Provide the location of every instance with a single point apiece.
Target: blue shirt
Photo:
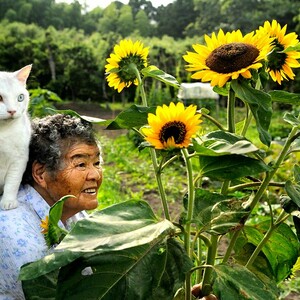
(21, 240)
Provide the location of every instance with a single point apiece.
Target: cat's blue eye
(21, 97)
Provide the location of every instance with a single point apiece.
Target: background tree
(207, 19)
(67, 43)
(142, 24)
(143, 5)
(174, 18)
(125, 23)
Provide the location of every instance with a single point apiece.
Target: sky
(104, 3)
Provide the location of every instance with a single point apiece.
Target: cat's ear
(23, 74)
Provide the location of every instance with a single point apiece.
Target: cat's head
(14, 97)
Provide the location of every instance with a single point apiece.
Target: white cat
(15, 131)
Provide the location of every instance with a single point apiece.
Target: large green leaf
(285, 97)
(260, 104)
(145, 272)
(216, 213)
(230, 167)
(293, 191)
(160, 75)
(135, 116)
(277, 256)
(41, 288)
(291, 119)
(235, 282)
(129, 251)
(220, 143)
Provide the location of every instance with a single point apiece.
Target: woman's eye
(97, 164)
(21, 97)
(81, 165)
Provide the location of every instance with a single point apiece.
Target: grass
(128, 174)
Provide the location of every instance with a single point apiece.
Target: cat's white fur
(15, 131)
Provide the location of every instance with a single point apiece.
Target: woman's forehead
(82, 150)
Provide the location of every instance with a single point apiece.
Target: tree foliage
(68, 45)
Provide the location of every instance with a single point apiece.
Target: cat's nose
(11, 112)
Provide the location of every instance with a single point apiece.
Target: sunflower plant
(233, 240)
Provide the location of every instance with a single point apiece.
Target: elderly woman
(64, 160)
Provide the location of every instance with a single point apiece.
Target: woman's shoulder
(22, 219)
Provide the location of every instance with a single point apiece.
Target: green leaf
(235, 282)
(291, 119)
(297, 173)
(86, 118)
(231, 167)
(287, 204)
(44, 94)
(145, 272)
(220, 143)
(56, 209)
(223, 91)
(260, 104)
(135, 116)
(293, 191)
(292, 48)
(55, 233)
(296, 221)
(280, 252)
(160, 75)
(216, 213)
(41, 288)
(285, 97)
(129, 251)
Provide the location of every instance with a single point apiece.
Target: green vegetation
(128, 174)
(68, 45)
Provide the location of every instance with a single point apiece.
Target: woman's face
(80, 176)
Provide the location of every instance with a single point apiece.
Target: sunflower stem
(140, 81)
(162, 193)
(230, 246)
(266, 183)
(230, 111)
(275, 167)
(248, 120)
(191, 200)
(273, 226)
(190, 210)
(230, 128)
(213, 120)
(210, 260)
(157, 168)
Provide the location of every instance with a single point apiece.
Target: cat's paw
(6, 204)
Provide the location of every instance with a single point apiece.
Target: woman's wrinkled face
(80, 176)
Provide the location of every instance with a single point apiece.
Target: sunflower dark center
(277, 58)
(231, 57)
(126, 73)
(175, 129)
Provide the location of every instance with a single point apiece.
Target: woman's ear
(38, 174)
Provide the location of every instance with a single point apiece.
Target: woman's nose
(95, 173)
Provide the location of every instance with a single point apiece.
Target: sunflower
(121, 66)
(281, 61)
(172, 126)
(45, 225)
(227, 56)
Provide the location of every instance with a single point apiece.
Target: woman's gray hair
(51, 138)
